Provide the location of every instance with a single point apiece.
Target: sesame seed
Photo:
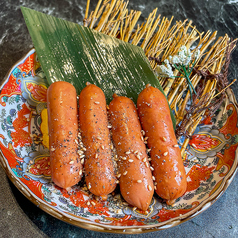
(130, 160)
(111, 146)
(82, 161)
(71, 162)
(89, 185)
(97, 102)
(88, 203)
(80, 172)
(84, 149)
(143, 132)
(76, 141)
(176, 145)
(128, 152)
(151, 168)
(153, 177)
(102, 147)
(135, 152)
(96, 156)
(146, 138)
(165, 153)
(99, 138)
(147, 164)
(139, 181)
(144, 160)
(93, 203)
(155, 187)
(149, 187)
(123, 158)
(81, 156)
(117, 181)
(118, 175)
(108, 107)
(148, 150)
(138, 157)
(109, 126)
(52, 149)
(142, 138)
(155, 183)
(164, 139)
(125, 173)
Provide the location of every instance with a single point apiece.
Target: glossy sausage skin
(99, 166)
(136, 184)
(169, 172)
(63, 130)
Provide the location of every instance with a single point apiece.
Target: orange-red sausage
(169, 172)
(136, 184)
(99, 166)
(66, 168)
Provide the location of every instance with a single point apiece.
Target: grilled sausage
(99, 166)
(65, 166)
(136, 184)
(169, 172)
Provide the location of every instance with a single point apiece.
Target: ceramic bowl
(210, 162)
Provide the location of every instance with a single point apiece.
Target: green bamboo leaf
(76, 54)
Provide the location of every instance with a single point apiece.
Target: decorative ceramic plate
(210, 162)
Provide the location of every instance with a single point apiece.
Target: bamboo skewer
(160, 38)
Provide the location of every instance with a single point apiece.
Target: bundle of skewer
(160, 38)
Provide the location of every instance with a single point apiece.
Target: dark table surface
(18, 216)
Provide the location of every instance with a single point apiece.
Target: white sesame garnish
(138, 157)
(148, 150)
(135, 152)
(146, 138)
(80, 152)
(130, 160)
(97, 102)
(125, 173)
(123, 158)
(128, 152)
(155, 187)
(96, 156)
(147, 164)
(153, 177)
(52, 149)
(81, 156)
(151, 168)
(89, 185)
(109, 126)
(139, 181)
(102, 147)
(111, 146)
(142, 138)
(99, 138)
(149, 159)
(143, 132)
(117, 181)
(93, 203)
(165, 153)
(155, 183)
(71, 162)
(88, 203)
(82, 161)
(149, 187)
(118, 175)
(144, 160)
(176, 145)
(80, 172)
(164, 139)
(76, 141)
